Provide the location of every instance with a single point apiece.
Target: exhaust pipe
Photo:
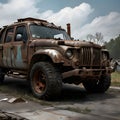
(69, 29)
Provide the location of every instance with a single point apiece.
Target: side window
(9, 35)
(21, 34)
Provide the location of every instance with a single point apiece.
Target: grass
(115, 79)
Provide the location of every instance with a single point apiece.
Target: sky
(86, 16)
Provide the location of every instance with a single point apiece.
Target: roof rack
(30, 19)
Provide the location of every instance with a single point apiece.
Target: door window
(21, 31)
(9, 35)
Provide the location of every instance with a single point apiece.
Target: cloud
(15, 9)
(23, 8)
(108, 25)
(78, 17)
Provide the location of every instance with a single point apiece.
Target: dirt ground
(74, 104)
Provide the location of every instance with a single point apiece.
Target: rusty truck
(46, 56)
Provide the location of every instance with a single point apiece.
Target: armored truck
(46, 56)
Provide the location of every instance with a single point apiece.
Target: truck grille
(90, 56)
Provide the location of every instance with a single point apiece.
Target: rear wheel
(98, 86)
(1, 76)
(45, 80)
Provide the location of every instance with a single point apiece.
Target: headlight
(69, 53)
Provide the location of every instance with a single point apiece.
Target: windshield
(43, 32)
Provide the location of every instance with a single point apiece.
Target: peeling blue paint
(19, 62)
(13, 59)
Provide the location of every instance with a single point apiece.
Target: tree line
(114, 47)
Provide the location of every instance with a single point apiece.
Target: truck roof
(31, 19)
(36, 21)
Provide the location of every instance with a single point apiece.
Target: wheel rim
(39, 81)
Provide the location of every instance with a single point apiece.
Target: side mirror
(18, 37)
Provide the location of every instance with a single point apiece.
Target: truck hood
(75, 43)
(56, 43)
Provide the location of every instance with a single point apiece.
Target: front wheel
(45, 80)
(98, 86)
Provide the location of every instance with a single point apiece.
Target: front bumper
(84, 72)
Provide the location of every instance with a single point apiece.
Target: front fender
(55, 55)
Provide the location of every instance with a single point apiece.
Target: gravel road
(74, 104)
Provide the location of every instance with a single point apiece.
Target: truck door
(7, 47)
(1, 46)
(19, 48)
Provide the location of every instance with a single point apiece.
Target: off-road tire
(98, 86)
(1, 76)
(45, 81)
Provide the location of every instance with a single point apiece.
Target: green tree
(114, 47)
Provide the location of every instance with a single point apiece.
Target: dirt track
(74, 103)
